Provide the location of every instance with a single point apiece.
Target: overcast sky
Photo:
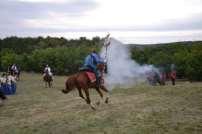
(130, 21)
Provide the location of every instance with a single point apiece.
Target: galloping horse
(80, 81)
(47, 78)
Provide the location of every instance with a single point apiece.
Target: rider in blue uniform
(91, 62)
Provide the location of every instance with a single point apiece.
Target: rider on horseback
(47, 70)
(91, 62)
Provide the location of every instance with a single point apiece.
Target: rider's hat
(93, 50)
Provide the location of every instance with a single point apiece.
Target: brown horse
(81, 82)
(47, 78)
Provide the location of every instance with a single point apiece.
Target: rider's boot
(97, 80)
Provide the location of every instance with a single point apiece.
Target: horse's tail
(68, 88)
(66, 85)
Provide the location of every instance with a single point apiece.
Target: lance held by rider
(106, 45)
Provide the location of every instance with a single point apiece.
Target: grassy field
(142, 109)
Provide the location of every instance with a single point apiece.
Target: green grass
(142, 109)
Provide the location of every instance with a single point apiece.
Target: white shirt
(48, 69)
(11, 79)
(2, 80)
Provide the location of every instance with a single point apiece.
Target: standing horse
(81, 82)
(47, 78)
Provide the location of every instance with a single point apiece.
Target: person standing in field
(173, 74)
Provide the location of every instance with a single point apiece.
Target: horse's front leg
(101, 95)
(46, 85)
(49, 84)
(106, 90)
(88, 99)
(51, 81)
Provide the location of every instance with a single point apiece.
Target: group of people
(7, 85)
(14, 70)
(159, 76)
(154, 77)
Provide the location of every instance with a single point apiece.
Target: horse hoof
(64, 91)
(93, 107)
(98, 103)
(107, 100)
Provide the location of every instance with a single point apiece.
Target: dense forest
(66, 56)
(32, 54)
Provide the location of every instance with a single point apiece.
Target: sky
(130, 21)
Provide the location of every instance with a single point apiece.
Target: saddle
(90, 74)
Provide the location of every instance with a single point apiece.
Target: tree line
(67, 56)
(32, 54)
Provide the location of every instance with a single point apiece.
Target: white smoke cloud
(122, 70)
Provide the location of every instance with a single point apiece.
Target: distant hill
(162, 44)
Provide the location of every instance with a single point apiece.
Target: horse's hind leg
(88, 99)
(80, 93)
